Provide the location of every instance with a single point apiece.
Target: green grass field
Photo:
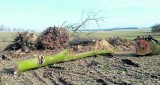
(9, 36)
(124, 34)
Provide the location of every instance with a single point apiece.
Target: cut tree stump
(142, 47)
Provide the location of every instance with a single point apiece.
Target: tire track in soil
(37, 78)
(41, 77)
(53, 76)
(9, 78)
(81, 75)
(31, 76)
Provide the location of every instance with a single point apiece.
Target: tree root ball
(53, 38)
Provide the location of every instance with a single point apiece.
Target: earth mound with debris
(122, 44)
(83, 45)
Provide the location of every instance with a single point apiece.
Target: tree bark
(40, 61)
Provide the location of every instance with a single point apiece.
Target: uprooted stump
(23, 41)
(53, 38)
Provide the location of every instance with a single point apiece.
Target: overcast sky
(40, 14)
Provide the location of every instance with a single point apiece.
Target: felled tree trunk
(155, 48)
(63, 56)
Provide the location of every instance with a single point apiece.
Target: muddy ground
(116, 69)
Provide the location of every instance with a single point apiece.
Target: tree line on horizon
(155, 28)
(7, 29)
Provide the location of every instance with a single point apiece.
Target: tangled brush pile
(53, 38)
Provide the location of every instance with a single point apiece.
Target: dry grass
(9, 36)
(123, 34)
(91, 71)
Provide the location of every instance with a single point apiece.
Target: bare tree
(81, 24)
(155, 28)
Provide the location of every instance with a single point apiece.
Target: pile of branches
(53, 38)
(121, 44)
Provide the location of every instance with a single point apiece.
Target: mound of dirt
(91, 45)
(122, 44)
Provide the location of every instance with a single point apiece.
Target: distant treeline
(112, 29)
(7, 29)
(156, 28)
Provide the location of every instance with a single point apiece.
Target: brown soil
(116, 69)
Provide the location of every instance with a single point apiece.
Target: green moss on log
(155, 48)
(51, 59)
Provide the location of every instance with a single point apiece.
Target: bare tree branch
(84, 21)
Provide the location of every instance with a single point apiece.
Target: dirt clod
(93, 63)
(101, 81)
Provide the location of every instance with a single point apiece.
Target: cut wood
(155, 48)
(142, 47)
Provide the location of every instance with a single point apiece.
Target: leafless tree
(83, 22)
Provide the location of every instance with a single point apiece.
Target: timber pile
(53, 38)
(121, 44)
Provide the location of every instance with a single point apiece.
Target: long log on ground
(155, 48)
(63, 56)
